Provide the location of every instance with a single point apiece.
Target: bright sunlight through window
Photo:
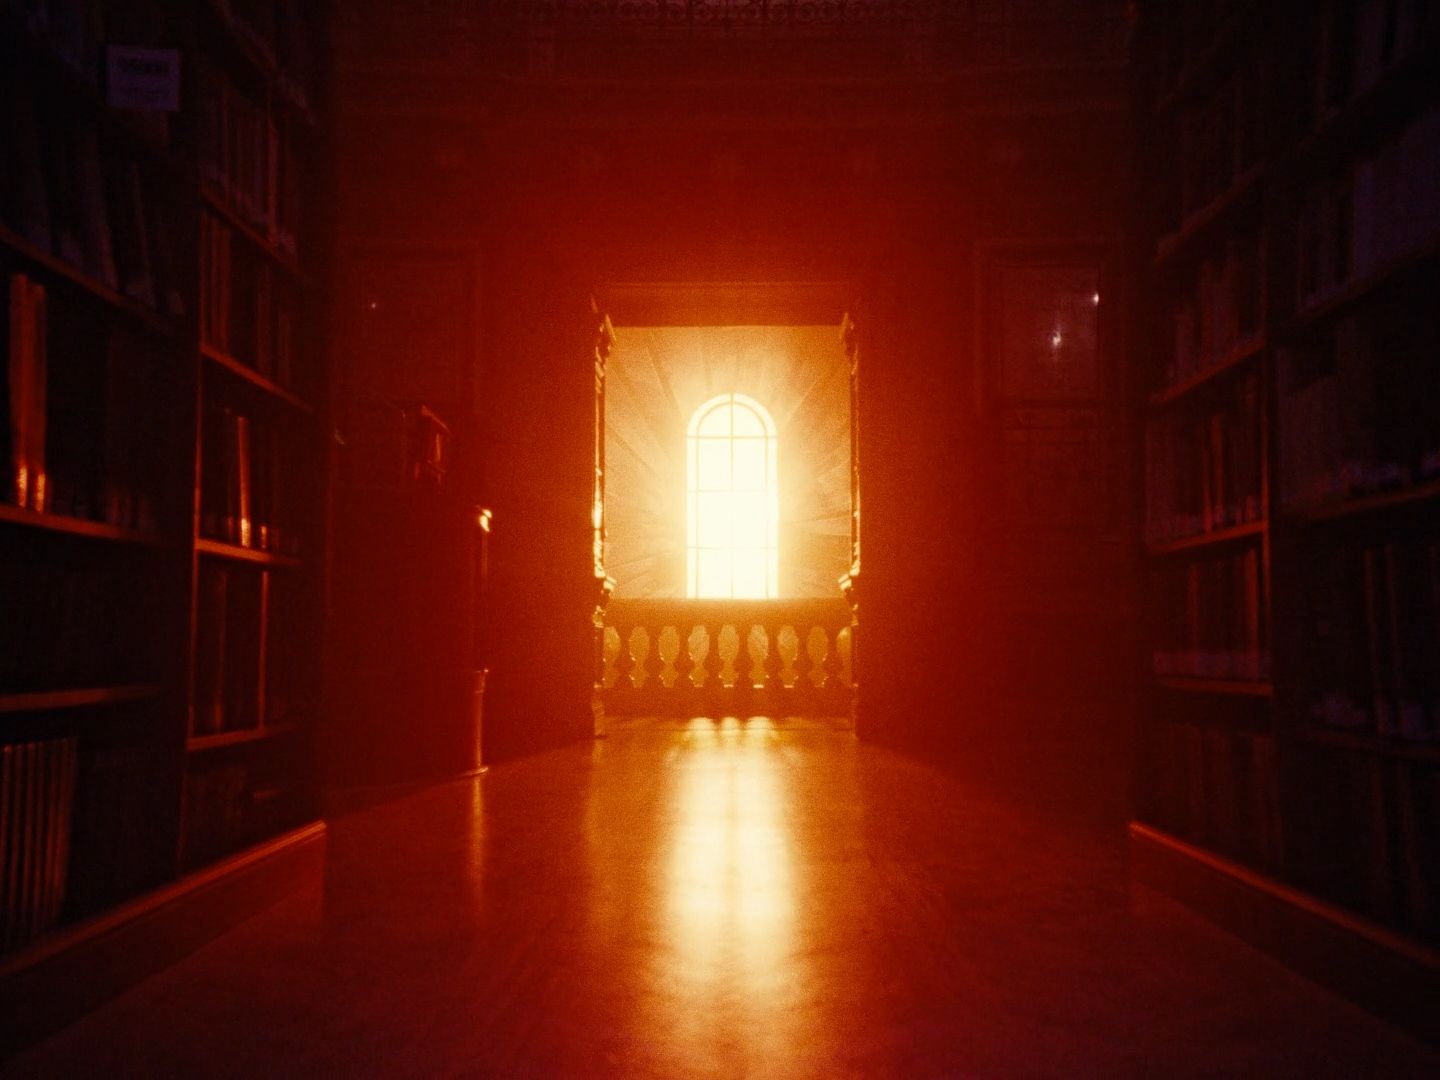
(732, 502)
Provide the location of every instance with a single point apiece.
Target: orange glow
(732, 505)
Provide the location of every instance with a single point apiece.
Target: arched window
(732, 501)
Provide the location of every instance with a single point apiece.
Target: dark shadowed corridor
(724, 899)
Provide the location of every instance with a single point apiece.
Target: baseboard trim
(59, 979)
(1394, 977)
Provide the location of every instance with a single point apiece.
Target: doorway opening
(727, 504)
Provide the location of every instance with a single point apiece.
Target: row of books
(80, 435)
(230, 803)
(1217, 141)
(227, 644)
(1190, 36)
(37, 787)
(122, 791)
(1217, 787)
(248, 159)
(1209, 618)
(73, 30)
(82, 198)
(26, 364)
(1355, 45)
(216, 801)
(1372, 636)
(1383, 208)
(247, 310)
(230, 692)
(279, 31)
(1217, 309)
(72, 624)
(247, 496)
(1203, 468)
(1360, 411)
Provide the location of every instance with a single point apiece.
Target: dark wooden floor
(725, 900)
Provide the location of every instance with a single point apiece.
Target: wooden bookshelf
(1240, 354)
(1222, 42)
(1342, 363)
(1170, 247)
(1368, 504)
(1247, 531)
(73, 526)
(254, 378)
(200, 743)
(50, 700)
(1377, 745)
(217, 204)
(1251, 688)
(1410, 86)
(54, 265)
(1357, 291)
(104, 561)
(220, 549)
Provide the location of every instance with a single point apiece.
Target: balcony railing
(685, 658)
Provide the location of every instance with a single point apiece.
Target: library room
(436, 441)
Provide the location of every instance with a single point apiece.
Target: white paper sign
(145, 79)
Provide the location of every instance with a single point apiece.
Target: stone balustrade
(685, 658)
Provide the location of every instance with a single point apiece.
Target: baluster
(804, 665)
(774, 662)
(804, 661)
(624, 661)
(714, 688)
(744, 669)
(684, 662)
(654, 661)
(771, 670)
(831, 663)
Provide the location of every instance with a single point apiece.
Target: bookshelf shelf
(55, 266)
(255, 379)
(244, 45)
(48, 700)
(1252, 688)
(1371, 744)
(1193, 75)
(1234, 533)
(219, 549)
(73, 526)
(1365, 504)
(1407, 90)
(1359, 290)
(199, 743)
(1199, 222)
(216, 203)
(1241, 354)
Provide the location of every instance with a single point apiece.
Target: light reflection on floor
(730, 891)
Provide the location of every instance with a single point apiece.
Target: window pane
(716, 421)
(747, 421)
(714, 457)
(715, 570)
(750, 520)
(750, 573)
(750, 471)
(716, 519)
